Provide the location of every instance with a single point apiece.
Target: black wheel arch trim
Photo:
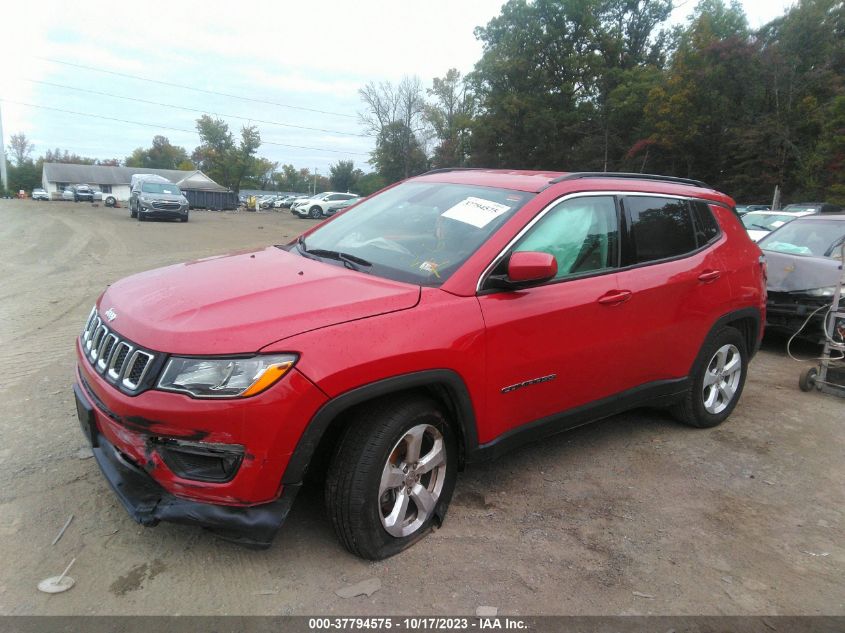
(752, 338)
(459, 401)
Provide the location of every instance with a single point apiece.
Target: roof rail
(615, 174)
(445, 169)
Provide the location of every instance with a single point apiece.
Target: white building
(115, 180)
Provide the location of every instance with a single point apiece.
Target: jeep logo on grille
(111, 315)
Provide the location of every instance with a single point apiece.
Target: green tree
(450, 116)
(20, 148)
(398, 153)
(213, 155)
(161, 155)
(370, 183)
(344, 176)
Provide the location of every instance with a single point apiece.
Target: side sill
(659, 393)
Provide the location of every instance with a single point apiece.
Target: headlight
(224, 377)
(144, 199)
(820, 292)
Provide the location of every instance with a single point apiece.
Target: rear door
(675, 274)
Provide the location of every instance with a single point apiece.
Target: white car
(327, 201)
(760, 223)
(40, 194)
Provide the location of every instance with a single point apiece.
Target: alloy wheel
(412, 480)
(722, 378)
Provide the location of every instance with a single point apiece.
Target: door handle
(709, 275)
(614, 297)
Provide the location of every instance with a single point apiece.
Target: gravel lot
(633, 515)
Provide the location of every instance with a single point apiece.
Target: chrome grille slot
(136, 369)
(96, 339)
(118, 361)
(89, 334)
(165, 204)
(106, 348)
(86, 331)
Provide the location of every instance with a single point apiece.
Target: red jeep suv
(442, 321)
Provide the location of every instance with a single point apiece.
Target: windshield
(818, 238)
(418, 232)
(765, 221)
(161, 187)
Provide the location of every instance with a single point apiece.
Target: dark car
(815, 207)
(82, 192)
(742, 209)
(804, 259)
(444, 320)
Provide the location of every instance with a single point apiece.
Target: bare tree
(20, 148)
(394, 115)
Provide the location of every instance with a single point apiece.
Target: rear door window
(658, 228)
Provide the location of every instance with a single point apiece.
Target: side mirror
(531, 267)
(525, 268)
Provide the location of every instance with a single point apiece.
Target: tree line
(583, 85)
(607, 85)
(228, 159)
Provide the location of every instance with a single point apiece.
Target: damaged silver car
(804, 265)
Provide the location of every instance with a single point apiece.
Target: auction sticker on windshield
(475, 211)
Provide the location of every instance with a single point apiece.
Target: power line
(202, 90)
(178, 107)
(167, 127)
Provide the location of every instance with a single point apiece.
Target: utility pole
(314, 187)
(4, 178)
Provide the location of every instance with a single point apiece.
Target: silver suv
(155, 197)
(326, 202)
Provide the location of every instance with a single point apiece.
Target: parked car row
(761, 222)
(80, 193)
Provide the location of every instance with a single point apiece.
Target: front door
(553, 347)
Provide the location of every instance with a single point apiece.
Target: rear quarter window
(706, 227)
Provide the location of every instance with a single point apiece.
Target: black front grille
(121, 362)
(164, 204)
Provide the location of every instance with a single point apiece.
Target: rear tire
(392, 476)
(717, 381)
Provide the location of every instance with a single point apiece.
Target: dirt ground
(633, 515)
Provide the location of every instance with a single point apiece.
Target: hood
(794, 273)
(239, 303)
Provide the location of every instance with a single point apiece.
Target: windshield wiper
(352, 262)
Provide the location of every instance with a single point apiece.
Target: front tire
(392, 476)
(110, 202)
(315, 213)
(717, 382)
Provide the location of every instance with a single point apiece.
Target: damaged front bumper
(148, 503)
(787, 311)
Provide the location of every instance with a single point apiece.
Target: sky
(285, 66)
